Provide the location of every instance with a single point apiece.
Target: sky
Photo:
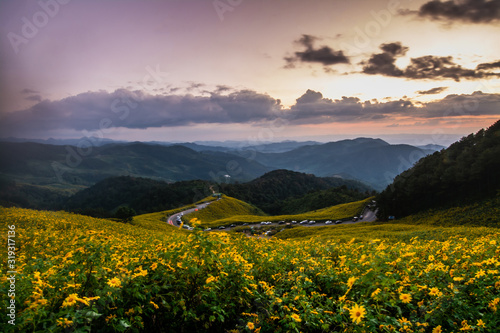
(252, 70)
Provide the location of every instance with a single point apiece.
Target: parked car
(281, 222)
(328, 222)
(208, 229)
(304, 222)
(294, 222)
(312, 222)
(355, 218)
(222, 227)
(233, 225)
(338, 221)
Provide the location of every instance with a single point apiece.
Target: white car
(304, 222)
(328, 222)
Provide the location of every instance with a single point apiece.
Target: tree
(125, 213)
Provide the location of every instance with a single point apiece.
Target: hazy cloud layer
(323, 55)
(136, 110)
(425, 67)
(473, 11)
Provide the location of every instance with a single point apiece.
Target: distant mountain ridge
(373, 161)
(71, 166)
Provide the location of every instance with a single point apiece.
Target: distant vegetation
(290, 192)
(465, 172)
(141, 194)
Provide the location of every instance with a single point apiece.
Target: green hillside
(223, 215)
(289, 192)
(226, 207)
(462, 174)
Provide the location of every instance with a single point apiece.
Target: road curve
(172, 218)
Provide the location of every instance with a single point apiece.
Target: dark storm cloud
(385, 63)
(432, 91)
(313, 108)
(425, 67)
(396, 49)
(473, 11)
(135, 109)
(490, 65)
(323, 55)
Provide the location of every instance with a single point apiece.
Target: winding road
(368, 216)
(173, 218)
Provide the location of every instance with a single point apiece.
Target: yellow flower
(64, 322)
(110, 317)
(296, 317)
(114, 282)
(210, 279)
(154, 304)
(70, 300)
(480, 273)
(357, 313)
(351, 281)
(481, 323)
(376, 292)
(405, 298)
(403, 321)
(437, 329)
(434, 291)
(250, 325)
(153, 266)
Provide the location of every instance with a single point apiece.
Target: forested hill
(270, 192)
(466, 171)
(275, 191)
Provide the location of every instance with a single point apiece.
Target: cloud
(123, 108)
(323, 55)
(313, 108)
(425, 67)
(136, 109)
(490, 65)
(472, 11)
(432, 91)
(385, 63)
(27, 91)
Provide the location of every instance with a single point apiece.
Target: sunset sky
(255, 70)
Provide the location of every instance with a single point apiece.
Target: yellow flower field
(76, 273)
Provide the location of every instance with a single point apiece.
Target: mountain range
(372, 161)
